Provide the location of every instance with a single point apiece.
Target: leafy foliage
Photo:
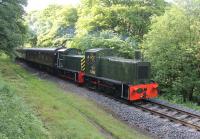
(173, 47)
(53, 26)
(12, 29)
(127, 18)
(106, 39)
(125, 21)
(84, 27)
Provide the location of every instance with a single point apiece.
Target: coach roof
(40, 49)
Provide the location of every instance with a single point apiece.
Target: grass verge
(64, 115)
(16, 120)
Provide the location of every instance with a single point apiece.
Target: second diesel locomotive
(98, 68)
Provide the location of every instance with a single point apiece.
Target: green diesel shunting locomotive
(98, 68)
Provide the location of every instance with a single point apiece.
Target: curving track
(173, 114)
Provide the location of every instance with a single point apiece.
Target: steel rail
(156, 112)
(172, 108)
(171, 118)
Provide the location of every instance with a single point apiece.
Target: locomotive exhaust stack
(138, 55)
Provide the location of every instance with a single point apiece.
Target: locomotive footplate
(76, 76)
(109, 86)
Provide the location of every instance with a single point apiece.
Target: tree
(12, 28)
(105, 39)
(172, 46)
(53, 26)
(127, 18)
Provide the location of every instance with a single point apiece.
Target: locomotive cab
(93, 59)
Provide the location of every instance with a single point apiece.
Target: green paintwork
(125, 70)
(118, 69)
(43, 56)
(92, 57)
(102, 62)
(72, 62)
(99, 62)
(69, 59)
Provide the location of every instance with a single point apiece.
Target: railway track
(172, 114)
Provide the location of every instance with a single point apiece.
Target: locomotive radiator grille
(143, 72)
(83, 64)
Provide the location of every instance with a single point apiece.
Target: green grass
(64, 115)
(16, 120)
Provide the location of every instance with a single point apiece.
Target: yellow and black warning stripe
(83, 64)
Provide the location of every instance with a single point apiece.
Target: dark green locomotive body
(70, 59)
(104, 64)
(124, 70)
(73, 62)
